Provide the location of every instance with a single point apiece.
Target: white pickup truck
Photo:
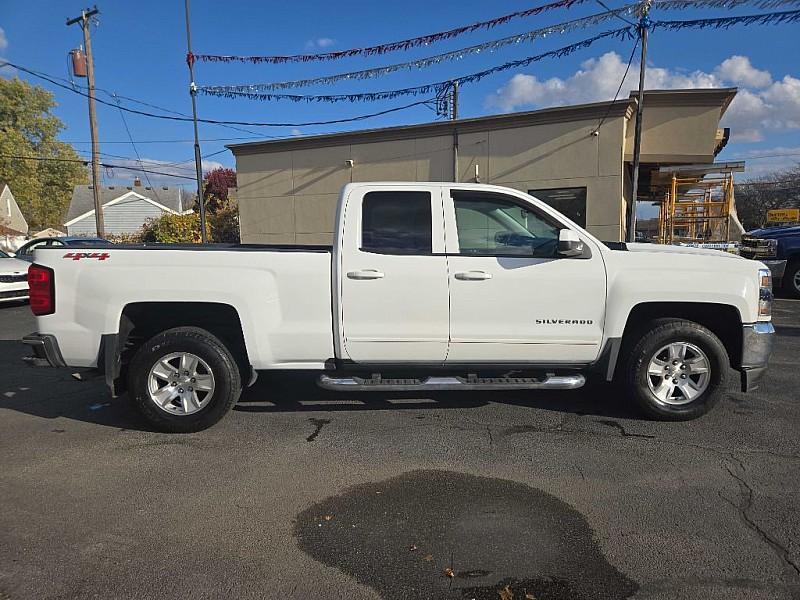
(428, 286)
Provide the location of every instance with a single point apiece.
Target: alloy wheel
(180, 383)
(678, 373)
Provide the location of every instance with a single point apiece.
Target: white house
(13, 226)
(125, 209)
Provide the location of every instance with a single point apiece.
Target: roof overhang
(721, 97)
(736, 166)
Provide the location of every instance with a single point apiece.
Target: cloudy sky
(141, 47)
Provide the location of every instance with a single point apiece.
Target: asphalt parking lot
(300, 493)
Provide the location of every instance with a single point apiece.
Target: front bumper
(757, 342)
(46, 352)
(777, 267)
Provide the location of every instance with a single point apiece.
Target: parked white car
(13, 278)
(428, 286)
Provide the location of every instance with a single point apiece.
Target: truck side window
(492, 226)
(395, 222)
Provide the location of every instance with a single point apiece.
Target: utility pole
(85, 21)
(644, 25)
(197, 159)
(454, 117)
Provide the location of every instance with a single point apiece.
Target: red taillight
(41, 282)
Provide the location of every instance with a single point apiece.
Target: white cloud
(5, 70)
(755, 112)
(320, 43)
(761, 105)
(737, 69)
(295, 132)
(747, 112)
(596, 80)
(125, 170)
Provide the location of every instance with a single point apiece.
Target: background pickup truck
(779, 249)
(427, 287)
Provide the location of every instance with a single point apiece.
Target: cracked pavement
(507, 489)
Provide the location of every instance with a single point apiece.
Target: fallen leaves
(506, 593)
(448, 572)
(412, 548)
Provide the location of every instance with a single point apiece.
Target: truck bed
(281, 294)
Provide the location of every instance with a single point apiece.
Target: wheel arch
(140, 321)
(723, 320)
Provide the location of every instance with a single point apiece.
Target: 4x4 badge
(80, 255)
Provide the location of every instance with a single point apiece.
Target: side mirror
(569, 243)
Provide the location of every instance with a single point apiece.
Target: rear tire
(677, 370)
(791, 278)
(184, 380)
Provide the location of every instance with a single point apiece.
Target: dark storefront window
(570, 202)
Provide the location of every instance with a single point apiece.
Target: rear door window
(397, 222)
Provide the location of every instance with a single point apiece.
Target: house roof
(49, 232)
(597, 110)
(83, 198)
(4, 230)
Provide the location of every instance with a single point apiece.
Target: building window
(494, 226)
(397, 223)
(570, 202)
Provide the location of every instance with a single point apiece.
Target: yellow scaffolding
(696, 209)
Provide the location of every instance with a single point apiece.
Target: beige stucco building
(576, 158)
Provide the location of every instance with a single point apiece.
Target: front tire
(677, 371)
(184, 380)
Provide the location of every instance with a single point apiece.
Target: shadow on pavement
(298, 392)
(53, 393)
(787, 331)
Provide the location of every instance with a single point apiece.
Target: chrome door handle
(473, 276)
(365, 274)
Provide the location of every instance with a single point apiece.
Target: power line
(115, 96)
(86, 162)
(136, 151)
(144, 161)
(619, 16)
(184, 141)
(166, 110)
(621, 83)
(759, 156)
(180, 162)
(214, 121)
(792, 181)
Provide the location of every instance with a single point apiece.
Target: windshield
(4, 255)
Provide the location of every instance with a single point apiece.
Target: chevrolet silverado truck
(779, 249)
(427, 287)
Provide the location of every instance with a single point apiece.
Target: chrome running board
(376, 383)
